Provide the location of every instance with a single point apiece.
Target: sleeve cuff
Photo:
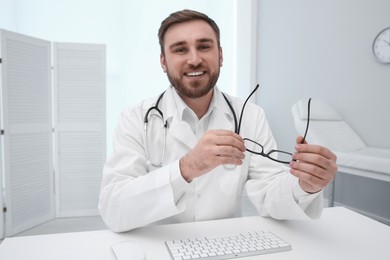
(178, 183)
(298, 192)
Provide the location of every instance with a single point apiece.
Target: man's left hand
(314, 166)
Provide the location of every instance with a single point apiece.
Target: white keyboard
(241, 245)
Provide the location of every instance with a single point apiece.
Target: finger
(301, 168)
(307, 159)
(229, 160)
(309, 182)
(308, 178)
(300, 139)
(315, 149)
(313, 177)
(311, 188)
(230, 140)
(315, 164)
(229, 151)
(223, 132)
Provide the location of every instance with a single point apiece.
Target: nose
(194, 58)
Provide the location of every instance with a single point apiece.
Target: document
(128, 250)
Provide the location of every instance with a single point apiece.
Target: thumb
(300, 140)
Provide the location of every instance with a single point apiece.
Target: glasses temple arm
(308, 120)
(234, 114)
(243, 107)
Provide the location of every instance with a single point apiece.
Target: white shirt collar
(198, 126)
(174, 106)
(184, 110)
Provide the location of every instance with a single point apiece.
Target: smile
(195, 73)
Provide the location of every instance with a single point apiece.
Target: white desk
(339, 234)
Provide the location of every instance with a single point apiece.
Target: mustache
(198, 67)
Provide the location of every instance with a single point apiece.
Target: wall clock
(381, 46)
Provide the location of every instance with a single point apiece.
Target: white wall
(129, 29)
(322, 49)
(306, 48)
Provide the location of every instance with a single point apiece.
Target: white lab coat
(135, 194)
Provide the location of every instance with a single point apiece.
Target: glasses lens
(252, 146)
(281, 156)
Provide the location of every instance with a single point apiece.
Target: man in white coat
(182, 156)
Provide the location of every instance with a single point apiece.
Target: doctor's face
(192, 58)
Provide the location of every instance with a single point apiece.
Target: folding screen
(79, 88)
(28, 154)
(48, 175)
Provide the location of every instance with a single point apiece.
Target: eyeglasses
(274, 155)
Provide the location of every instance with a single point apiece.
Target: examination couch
(364, 179)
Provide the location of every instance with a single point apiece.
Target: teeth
(193, 74)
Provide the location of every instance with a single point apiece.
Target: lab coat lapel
(221, 120)
(178, 129)
(182, 132)
(222, 117)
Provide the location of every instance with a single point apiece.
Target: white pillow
(336, 135)
(318, 111)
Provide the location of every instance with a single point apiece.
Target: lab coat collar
(221, 117)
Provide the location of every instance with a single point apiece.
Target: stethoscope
(160, 114)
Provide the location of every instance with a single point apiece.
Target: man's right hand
(215, 148)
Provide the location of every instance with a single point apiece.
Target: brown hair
(181, 17)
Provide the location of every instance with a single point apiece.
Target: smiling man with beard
(181, 156)
(191, 56)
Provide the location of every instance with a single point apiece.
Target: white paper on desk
(128, 250)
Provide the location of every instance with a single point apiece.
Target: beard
(196, 88)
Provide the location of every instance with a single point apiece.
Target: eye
(180, 50)
(204, 47)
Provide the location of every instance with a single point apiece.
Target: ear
(163, 62)
(220, 57)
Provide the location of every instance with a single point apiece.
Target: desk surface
(339, 234)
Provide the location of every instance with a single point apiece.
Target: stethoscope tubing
(237, 124)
